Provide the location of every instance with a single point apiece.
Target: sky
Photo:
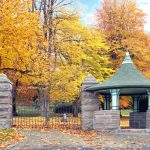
(88, 8)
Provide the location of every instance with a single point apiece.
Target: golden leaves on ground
(7, 136)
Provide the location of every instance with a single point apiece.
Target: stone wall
(89, 104)
(138, 120)
(5, 102)
(106, 120)
(148, 119)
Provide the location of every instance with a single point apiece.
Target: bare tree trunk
(75, 109)
(14, 95)
(44, 102)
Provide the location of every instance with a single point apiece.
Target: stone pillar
(148, 119)
(106, 120)
(138, 120)
(115, 98)
(106, 102)
(89, 103)
(5, 102)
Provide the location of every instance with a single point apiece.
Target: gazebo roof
(128, 79)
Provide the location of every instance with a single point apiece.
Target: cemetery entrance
(127, 81)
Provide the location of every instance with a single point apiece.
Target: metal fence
(58, 117)
(34, 114)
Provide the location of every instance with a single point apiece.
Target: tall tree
(19, 42)
(122, 22)
(70, 46)
(54, 53)
(79, 51)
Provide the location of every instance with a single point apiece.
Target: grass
(7, 136)
(28, 111)
(126, 112)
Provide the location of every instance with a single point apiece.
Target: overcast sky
(88, 9)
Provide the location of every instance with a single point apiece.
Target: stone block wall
(138, 120)
(106, 120)
(89, 104)
(5, 102)
(148, 119)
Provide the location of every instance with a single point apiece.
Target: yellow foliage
(25, 52)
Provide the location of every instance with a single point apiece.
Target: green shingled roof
(127, 78)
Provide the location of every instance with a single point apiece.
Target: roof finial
(127, 59)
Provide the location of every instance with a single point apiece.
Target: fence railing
(33, 117)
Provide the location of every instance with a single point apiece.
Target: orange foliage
(26, 92)
(122, 23)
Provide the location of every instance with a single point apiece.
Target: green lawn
(28, 111)
(126, 112)
(7, 135)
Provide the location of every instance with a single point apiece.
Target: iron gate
(31, 113)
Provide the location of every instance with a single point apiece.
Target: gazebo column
(136, 103)
(106, 102)
(115, 98)
(148, 111)
(148, 92)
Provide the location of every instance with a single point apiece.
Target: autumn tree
(19, 52)
(52, 52)
(122, 23)
(71, 47)
(80, 52)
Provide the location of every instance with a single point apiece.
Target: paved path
(45, 139)
(56, 140)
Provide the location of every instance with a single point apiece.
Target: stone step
(134, 131)
(129, 131)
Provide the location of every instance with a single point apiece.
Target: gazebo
(127, 81)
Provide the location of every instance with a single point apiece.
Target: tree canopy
(46, 45)
(122, 23)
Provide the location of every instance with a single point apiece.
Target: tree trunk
(44, 102)
(14, 95)
(75, 110)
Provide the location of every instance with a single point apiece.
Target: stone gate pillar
(89, 103)
(5, 102)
